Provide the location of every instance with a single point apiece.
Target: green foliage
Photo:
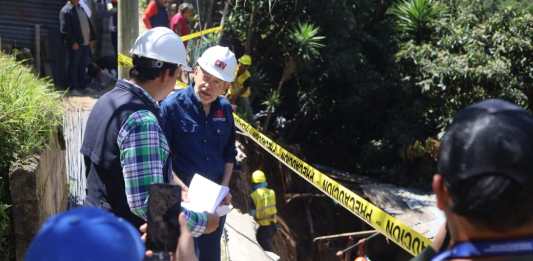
(380, 90)
(143, 4)
(29, 112)
(273, 101)
(417, 18)
(472, 60)
(6, 249)
(306, 41)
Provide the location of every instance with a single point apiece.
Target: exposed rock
(38, 188)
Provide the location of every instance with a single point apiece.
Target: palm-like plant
(305, 45)
(306, 41)
(416, 17)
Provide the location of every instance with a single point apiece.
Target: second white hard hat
(162, 44)
(220, 62)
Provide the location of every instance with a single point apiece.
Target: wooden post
(37, 56)
(128, 29)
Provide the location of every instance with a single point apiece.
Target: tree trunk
(250, 33)
(209, 13)
(223, 19)
(128, 28)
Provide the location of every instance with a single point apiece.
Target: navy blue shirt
(199, 143)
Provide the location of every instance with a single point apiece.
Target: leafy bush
(29, 112)
(471, 60)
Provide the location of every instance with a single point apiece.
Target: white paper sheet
(204, 195)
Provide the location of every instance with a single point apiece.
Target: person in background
(172, 10)
(66, 47)
(86, 234)
(102, 20)
(483, 185)
(240, 92)
(156, 14)
(79, 34)
(201, 131)
(264, 210)
(180, 21)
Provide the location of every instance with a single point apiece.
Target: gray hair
(185, 6)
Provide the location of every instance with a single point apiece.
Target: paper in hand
(204, 195)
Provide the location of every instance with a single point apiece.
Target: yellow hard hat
(246, 60)
(258, 177)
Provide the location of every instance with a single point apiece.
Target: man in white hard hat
(201, 131)
(124, 148)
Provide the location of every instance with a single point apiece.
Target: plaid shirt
(143, 153)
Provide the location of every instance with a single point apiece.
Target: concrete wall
(39, 189)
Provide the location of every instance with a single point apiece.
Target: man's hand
(227, 199)
(212, 223)
(144, 228)
(184, 194)
(92, 44)
(75, 46)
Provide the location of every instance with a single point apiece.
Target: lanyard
(488, 248)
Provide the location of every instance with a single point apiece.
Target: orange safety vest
(265, 206)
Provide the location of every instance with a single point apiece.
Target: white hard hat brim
(161, 44)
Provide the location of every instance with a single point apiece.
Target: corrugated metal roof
(18, 18)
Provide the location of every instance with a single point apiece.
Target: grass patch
(30, 110)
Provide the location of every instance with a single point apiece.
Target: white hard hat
(162, 44)
(220, 62)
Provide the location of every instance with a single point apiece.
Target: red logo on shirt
(219, 115)
(220, 64)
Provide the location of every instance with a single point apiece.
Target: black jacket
(105, 180)
(72, 27)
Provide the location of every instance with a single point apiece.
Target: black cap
(491, 137)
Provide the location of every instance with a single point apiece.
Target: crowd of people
(89, 32)
(142, 132)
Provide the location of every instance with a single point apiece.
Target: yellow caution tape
(407, 238)
(188, 37)
(124, 60)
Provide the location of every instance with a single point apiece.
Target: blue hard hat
(86, 234)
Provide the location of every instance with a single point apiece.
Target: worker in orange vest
(265, 211)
